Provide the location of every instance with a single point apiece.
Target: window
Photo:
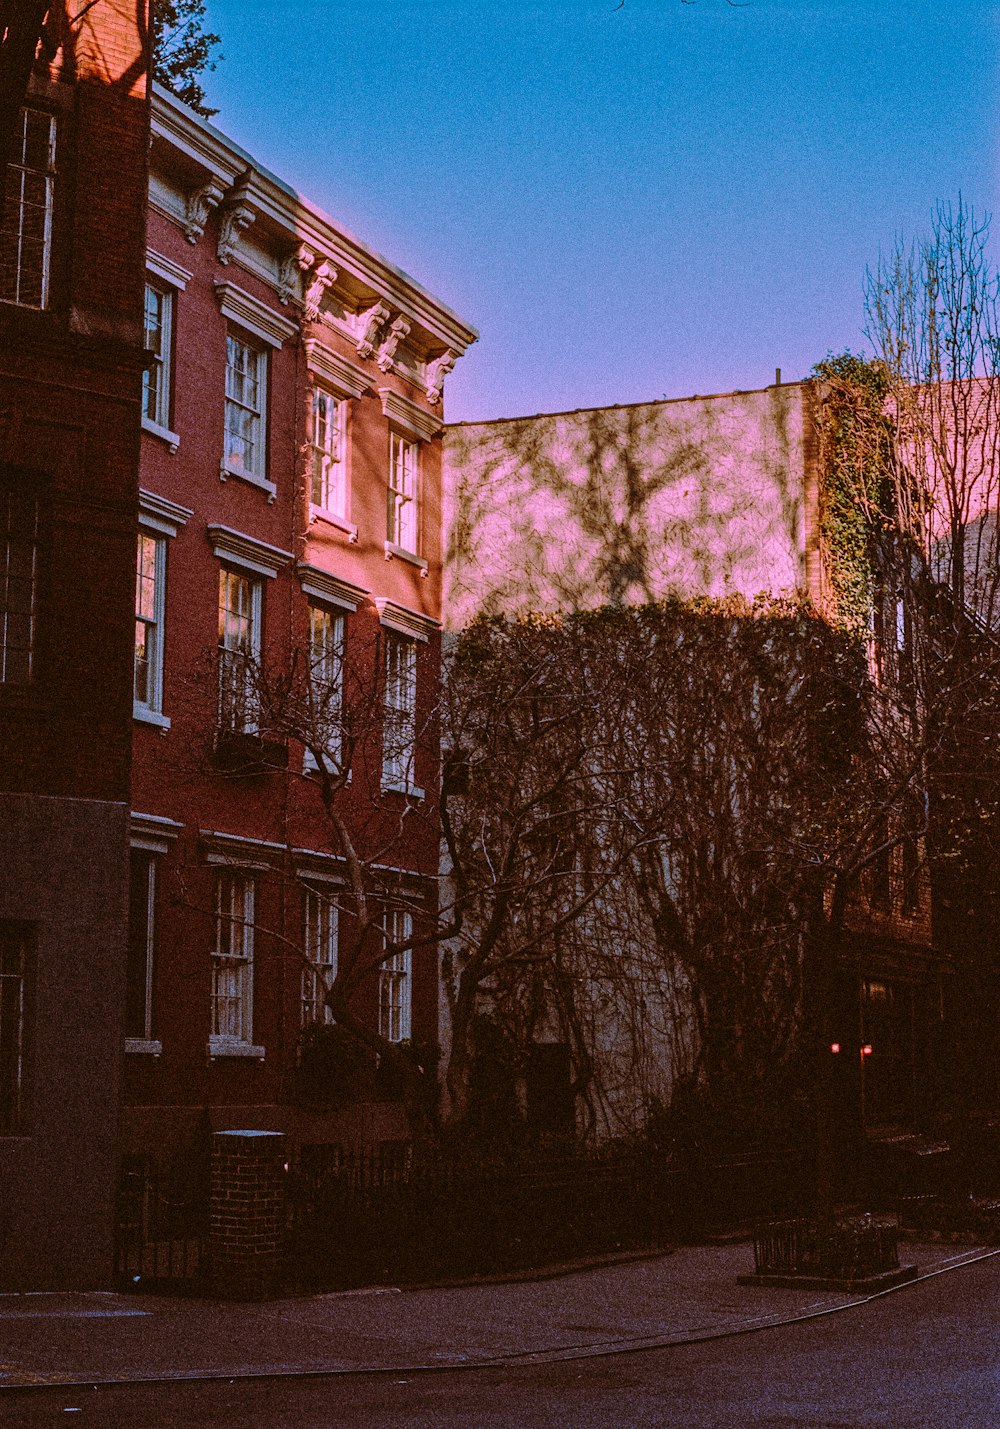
(26, 229)
(403, 475)
(149, 592)
(321, 920)
(19, 539)
(326, 680)
(139, 968)
(159, 315)
(232, 961)
(394, 1000)
(329, 476)
(13, 1019)
(240, 602)
(246, 383)
(400, 713)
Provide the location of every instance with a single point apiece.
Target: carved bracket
(300, 260)
(437, 371)
(369, 324)
(387, 351)
(236, 216)
(199, 205)
(320, 278)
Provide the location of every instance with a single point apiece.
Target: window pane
(139, 968)
(26, 226)
(19, 522)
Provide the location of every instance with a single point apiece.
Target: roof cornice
(303, 221)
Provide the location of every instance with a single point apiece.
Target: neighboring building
(71, 357)
(289, 518)
(701, 496)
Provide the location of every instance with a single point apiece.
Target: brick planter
(247, 1214)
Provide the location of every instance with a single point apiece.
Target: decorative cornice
(320, 278)
(324, 585)
(404, 620)
(369, 324)
(300, 260)
(222, 162)
(152, 832)
(387, 351)
(158, 514)
(234, 851)
(246, 552)
(403, 412)
(436, 372)
(236, 216)
(251, 313)
(198, 205)
(167, 269)
(342, 374)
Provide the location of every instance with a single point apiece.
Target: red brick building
(289, 520)
(71, 357)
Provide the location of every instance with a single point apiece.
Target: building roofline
(226, 160)
(626, 406)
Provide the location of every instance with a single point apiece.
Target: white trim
(245, 553)
(154, 429)
(409, 415)
(400, 553)
(213, 156)
(152, 832)
(143, 1047)
(328, 588)
(402, 786)
(167, 269)
(404, 620)
(249, 312)
(144, 715)
(227, 1047)
(158, 514)
(320, 513)
(234, 851)
(346, 378)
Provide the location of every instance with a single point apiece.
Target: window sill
(144, 715)
(142, 1047)
(330, 518)
(223, 1047)
(251, 479)
(154, 429)
(402, 786)
(399, 553)
(310, 766)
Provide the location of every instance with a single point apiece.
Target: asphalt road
(925, 1358)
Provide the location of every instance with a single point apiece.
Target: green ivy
(855, 481)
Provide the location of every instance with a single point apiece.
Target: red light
(866, 1050)
(834, 1046)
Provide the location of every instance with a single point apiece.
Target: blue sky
(630, 203)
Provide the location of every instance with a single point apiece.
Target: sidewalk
(690, 1294)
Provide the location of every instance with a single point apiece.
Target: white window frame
(238, 407)
(239, 659)
(12, 240)
(20, 534)
(325, 690)
(150, 709)
(158, 376)
(146, 1043)
(399, 714)
(328, 491)
(13, 1010)
(321, 940)
(395, 983)
(231, 1023)
(403, 502)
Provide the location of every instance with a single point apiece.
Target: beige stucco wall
(698, 496)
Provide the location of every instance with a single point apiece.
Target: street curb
(554, 1355)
